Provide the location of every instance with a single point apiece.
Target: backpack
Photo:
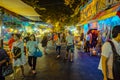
(116, 62)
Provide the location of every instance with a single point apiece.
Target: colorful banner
(91, 9)
(109, 13)
(98, 9)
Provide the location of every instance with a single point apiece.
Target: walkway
(84, 67)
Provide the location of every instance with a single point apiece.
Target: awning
(19, 7)
(108, 13)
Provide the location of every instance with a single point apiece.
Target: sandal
(34, 72)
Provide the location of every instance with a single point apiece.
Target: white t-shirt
(58, 42)
(69, 40)
(107, 52)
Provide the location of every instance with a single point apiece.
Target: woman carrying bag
(32, 48)
(19, 58)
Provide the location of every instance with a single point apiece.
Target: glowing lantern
(11, 30)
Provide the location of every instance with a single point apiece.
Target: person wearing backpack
(110, 63)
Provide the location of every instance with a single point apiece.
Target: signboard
(93, 25)
(95, 7)
(88, 11)
(92, 9)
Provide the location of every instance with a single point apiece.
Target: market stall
(19, 7)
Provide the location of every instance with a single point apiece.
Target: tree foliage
(64, 11)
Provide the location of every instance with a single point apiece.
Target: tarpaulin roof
(19, 7)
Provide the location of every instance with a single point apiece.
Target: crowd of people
(93, 42)
(23, 48)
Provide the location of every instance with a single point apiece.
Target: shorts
(70, 48)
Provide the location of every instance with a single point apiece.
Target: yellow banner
(108, 15)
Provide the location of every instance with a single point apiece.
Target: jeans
(58, 48)
(32, 62)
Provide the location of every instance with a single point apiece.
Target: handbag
(38, 53)
(7, 69)
(17, 51)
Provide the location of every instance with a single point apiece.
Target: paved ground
(84, 67)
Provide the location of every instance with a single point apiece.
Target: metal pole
(1, 23)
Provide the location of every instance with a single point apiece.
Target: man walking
(108, 59)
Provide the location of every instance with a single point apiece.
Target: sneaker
(58, 56)
(71, 61)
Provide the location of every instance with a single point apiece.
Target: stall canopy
(19, 7)
(108, 13)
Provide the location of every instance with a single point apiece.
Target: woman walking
(19, 59)
(58, 45)
(31, 48)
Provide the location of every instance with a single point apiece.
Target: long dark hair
(45, 38)
(18, 35)
(33, 36)
(59, 35)
(116, 31)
